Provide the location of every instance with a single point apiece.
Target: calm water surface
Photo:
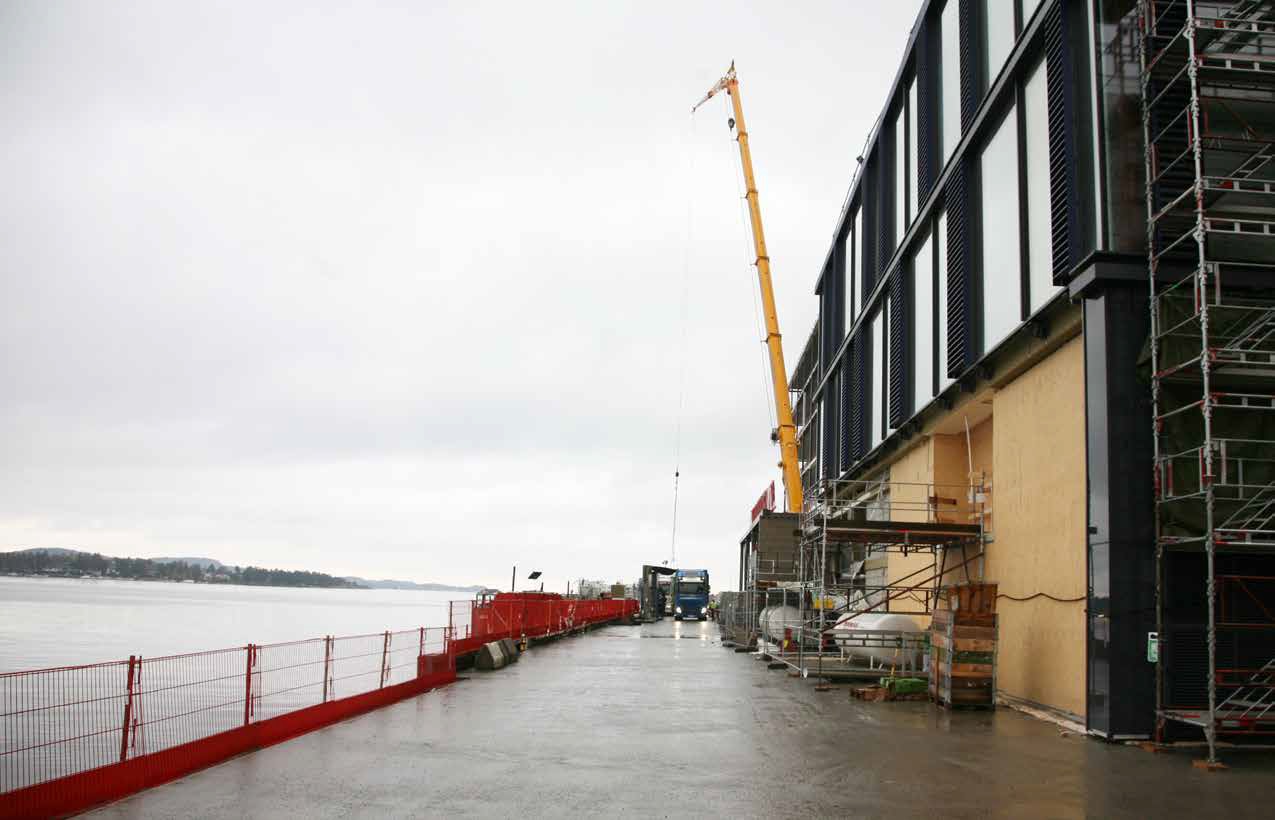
(61, 621)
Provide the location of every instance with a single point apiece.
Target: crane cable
(681, 386)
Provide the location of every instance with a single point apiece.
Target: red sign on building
(764, 504)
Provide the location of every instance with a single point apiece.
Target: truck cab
(690, 594)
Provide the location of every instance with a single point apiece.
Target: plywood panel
(1038, 524)
(910, 478)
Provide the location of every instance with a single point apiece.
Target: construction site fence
(530, 616)
(737, 616)
(77, 736)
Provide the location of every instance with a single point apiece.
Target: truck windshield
(690, 588)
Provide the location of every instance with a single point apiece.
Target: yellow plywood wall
(1038, 520)
(910, 480)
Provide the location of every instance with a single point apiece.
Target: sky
(410, 290)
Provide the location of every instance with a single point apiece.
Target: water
(67, 720)
(47, 622)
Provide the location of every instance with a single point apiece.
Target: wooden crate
(963, 652)
(977, 599)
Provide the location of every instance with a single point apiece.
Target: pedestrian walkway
(661, 721)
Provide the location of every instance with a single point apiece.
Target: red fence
(77, 736)
(529, 615)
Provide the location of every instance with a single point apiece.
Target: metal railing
(55, 723)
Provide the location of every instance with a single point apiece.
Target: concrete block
(491, 656)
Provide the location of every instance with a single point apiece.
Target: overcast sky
(397, 290)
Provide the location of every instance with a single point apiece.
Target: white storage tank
(775, 619)
(879, 649)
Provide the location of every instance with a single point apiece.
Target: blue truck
(690, 594)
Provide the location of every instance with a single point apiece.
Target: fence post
(327, 668)
(385, 656)
(247, 685)
(128, 708)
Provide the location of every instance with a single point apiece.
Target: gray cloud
(396, 289)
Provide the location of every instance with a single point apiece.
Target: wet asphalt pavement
(661, 721)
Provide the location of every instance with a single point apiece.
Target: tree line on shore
(76, 564)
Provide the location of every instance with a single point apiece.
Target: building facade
(984, 317)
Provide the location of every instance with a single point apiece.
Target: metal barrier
(76, 736)
(529, 615)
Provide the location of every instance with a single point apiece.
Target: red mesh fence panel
(58, 723)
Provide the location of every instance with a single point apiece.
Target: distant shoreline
(59, 577)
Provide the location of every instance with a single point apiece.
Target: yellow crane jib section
(787, 430)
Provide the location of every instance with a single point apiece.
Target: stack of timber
(963, 647)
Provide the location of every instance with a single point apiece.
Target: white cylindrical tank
(775, 619)
(878, 649)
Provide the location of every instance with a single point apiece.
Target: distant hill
(57, 562)
(62, 561)
(390, 584)
(203, 563)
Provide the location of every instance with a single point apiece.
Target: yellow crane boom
(786, 434)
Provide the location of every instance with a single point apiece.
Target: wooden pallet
(963, 647)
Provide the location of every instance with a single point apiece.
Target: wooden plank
(970, 619)
(965, 683)
(973, 670)
(962, 644)
(982, 633)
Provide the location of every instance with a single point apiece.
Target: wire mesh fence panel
(400, 660)
(181, 698)
(60, 722)
(288, 676)
(57, 722)
(357, 664)
(461, 619)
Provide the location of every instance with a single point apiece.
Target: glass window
(950, 76)
(999, 19)
(1123, 171)
(1040, 236)
(923, 325)
(847, 253)
(877, 366)
(1002, 260)
(914, 137)
(900, 175)
(940, 242)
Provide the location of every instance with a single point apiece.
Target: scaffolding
(849, 531)
(1208, 100)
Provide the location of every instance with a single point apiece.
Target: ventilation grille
(961, 331)
(926, 125)
(848, 415)
(1064, 196)
(885, 197)
(900, 343)
(868, 200)
(971, 91)
(857, 423)
(828, 421)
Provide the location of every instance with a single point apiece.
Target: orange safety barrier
(528, 615)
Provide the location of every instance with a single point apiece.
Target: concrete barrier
(492, 656)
